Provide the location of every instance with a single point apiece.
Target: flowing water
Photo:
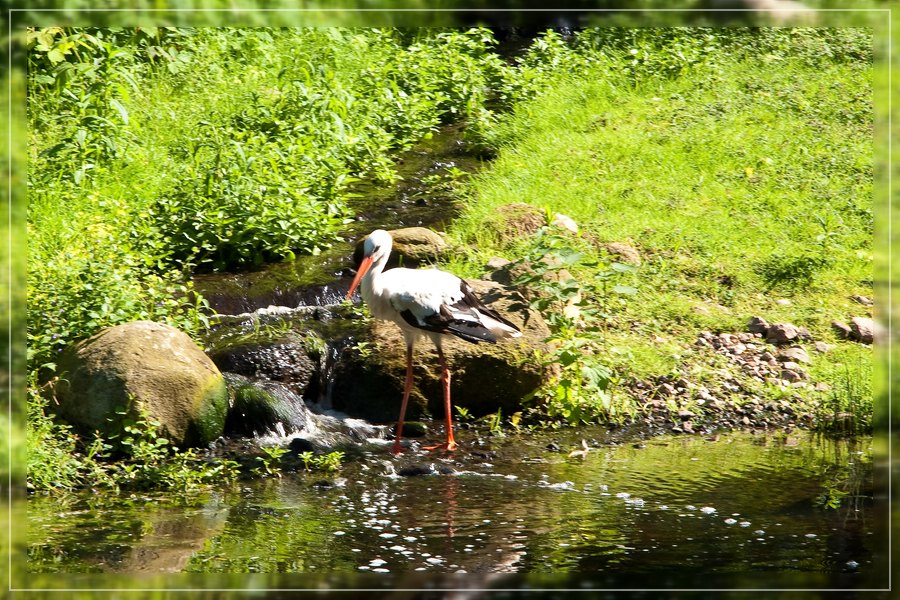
(581, 508)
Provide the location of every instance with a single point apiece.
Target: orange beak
(364, 266)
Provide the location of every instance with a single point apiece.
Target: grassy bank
(742, 173)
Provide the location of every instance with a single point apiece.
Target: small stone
(414, 429)
(738, 348)
(842, 329)
(688, 427)
(497, 263)
(865, 301)
(794, 354)
(782, 333)
(685, 414)
(745, 420)
(822, 387)
(757, 325)
(766, 357)
(783, 302)
(790, 374)
(823, 347)
(625, 253)
(863, 329)
(564, 222)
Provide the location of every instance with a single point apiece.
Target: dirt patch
(518, 220)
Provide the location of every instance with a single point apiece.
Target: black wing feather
(444, 323)
(470, 301)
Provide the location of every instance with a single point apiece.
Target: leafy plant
(322, 462)
(495, 423)
(462, 413)
(576, 311)
(271, 462)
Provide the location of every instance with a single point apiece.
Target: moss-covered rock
(256, 410)
(368, 378)
(141, 368)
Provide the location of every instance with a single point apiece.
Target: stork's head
(378, 244)
(376, 250)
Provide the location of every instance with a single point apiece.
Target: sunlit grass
(747, 190)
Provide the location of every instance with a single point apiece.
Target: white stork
(425, 302)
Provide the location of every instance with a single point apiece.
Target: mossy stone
(140, 369)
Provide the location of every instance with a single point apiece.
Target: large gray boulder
(368, 377)
(141, 368)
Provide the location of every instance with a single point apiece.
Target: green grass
(744, 181)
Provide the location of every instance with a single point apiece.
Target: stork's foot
(449, 446)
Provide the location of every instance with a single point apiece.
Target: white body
(425, 293)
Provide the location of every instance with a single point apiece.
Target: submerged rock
(368, 377)
(258, 408)
(141, 368)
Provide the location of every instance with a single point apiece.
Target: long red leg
(448, 407)
(406, 389)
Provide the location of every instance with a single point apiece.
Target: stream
(737, 510)
(586, 508)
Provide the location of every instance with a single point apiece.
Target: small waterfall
(281, 415)
(327, 361)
